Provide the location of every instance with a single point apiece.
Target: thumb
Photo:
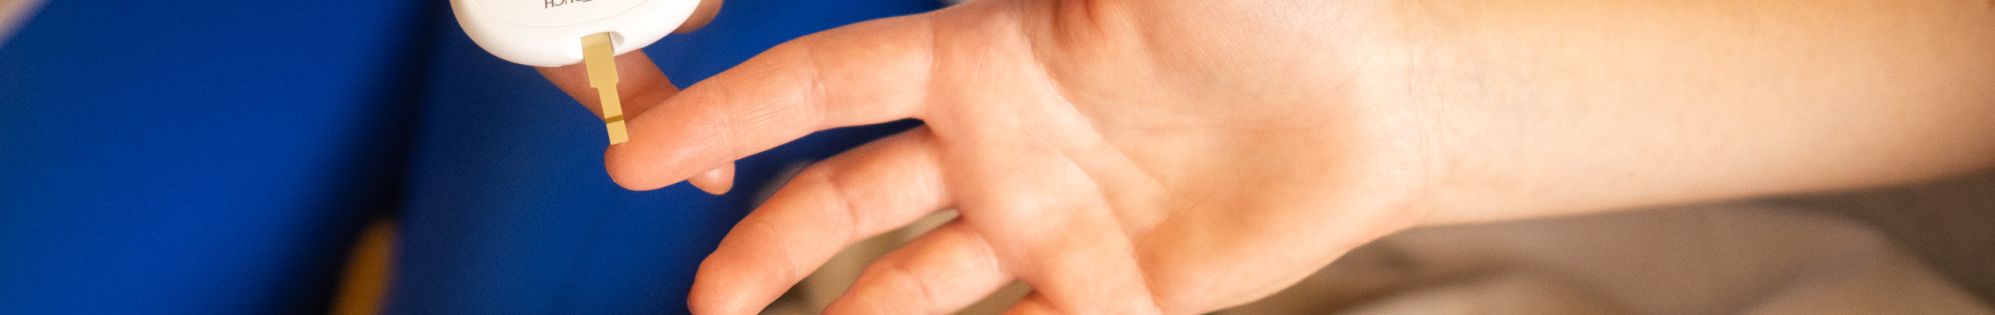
(638, 80)
(643, 86)
(701, 16)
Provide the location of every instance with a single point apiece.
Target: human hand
(1158, 156)
(1119, 157)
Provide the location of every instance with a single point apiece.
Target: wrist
(1399, 70)
(1464, 110)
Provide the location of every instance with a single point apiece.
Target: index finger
(866, 73)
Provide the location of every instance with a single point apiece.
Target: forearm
(1548, 107)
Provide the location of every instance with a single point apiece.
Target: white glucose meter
(544, 33)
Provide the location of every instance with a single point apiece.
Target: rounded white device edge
(548, 38)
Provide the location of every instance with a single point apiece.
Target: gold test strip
(600, 58)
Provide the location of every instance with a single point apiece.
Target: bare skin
(1181, 157)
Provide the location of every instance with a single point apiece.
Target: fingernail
(716, 181)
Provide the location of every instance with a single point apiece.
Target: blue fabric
(218, 157)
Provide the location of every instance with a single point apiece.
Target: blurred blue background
(220, 157)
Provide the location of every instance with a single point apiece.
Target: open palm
(1118, 157)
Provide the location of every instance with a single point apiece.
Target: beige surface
(1760, 258)
(1949, 223)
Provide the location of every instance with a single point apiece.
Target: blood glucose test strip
(602, 68)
